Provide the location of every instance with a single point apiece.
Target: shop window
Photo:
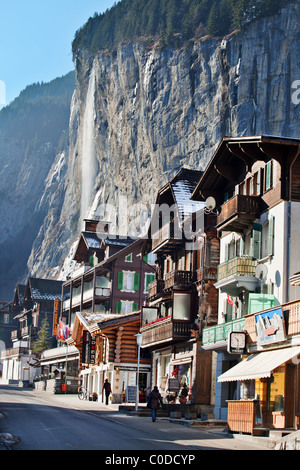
(275, 397)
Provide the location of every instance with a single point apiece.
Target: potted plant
(183, 394)
(95, 396)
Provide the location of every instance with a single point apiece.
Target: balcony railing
(239, 266)
(238, 212)
(180, 279)
(217, 333)
(166, 237)
(164, 330)
(155, 288)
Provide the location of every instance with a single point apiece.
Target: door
(290, 395)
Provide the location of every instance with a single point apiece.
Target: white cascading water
(89, 163)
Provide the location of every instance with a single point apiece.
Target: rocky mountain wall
(139, 115)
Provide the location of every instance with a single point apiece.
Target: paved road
(45, 422)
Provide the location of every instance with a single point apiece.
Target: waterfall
(89, 163)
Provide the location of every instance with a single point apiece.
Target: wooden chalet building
(182, 298)
(32, 303)
(255, 182)
(108, 350)
(112, 277)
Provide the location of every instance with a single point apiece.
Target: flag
(229, 300)
(63, 331)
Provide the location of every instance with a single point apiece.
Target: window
(6, 318)
(150, 258)
(181, 309)
(126, 306)
(268, 176)
(128, 258)
(128, 281)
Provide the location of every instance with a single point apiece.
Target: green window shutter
(271, 237)
(135, 307)
(149, 278)
(145, 258)
(119, 306)
(136, 285)
(256, 241)
(120, 280)
(91, 261)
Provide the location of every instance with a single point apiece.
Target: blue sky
(36, 39)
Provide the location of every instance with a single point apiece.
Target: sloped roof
(183, 185)
(44, 289)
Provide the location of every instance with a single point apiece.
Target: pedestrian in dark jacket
(107, 389)
(154, 401)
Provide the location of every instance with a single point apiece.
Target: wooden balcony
(165, 330)
(15, 334)
(166, 238)
(238, 213)
(155, 288)
(178, 279)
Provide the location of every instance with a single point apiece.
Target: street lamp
(138, 342)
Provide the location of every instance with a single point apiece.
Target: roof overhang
(234, 157)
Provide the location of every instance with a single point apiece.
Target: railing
(178, 278)
(239, 266)
(16, 334)
(217, 333)
(14, 351)
(155, 288)
(239, 204)
(207, 273)
(164, 329)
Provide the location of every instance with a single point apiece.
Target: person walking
(154, 401)
(107, 389)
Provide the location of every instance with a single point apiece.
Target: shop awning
(259, 365)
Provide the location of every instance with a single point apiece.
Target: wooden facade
(182, 298)
(115, 349)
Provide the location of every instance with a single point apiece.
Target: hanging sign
(88, 348)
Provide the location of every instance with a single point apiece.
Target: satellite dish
(210, 203)
(261, 271)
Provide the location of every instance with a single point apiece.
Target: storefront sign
(88, 348)
(270, 327)
(130, 394)
(55, 316)
(131, 368)
(174, 385)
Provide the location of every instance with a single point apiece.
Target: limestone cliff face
(140, 115)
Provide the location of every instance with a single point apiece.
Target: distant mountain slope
(33, 131)
(173, 22)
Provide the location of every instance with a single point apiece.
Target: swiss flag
(230, 301)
